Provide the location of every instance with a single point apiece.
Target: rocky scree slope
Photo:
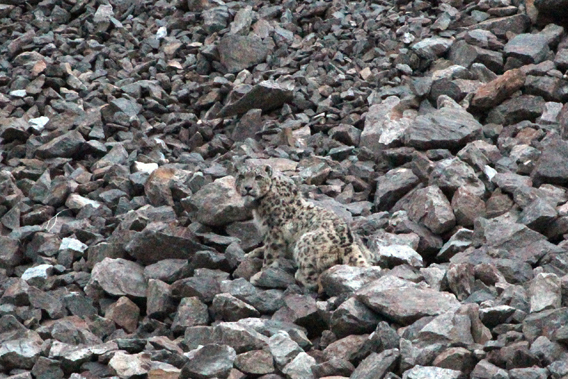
(437, 129)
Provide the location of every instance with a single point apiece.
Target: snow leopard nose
(248, 188)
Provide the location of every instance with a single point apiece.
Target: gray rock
(130, 365)
(214, 19)
(119, 277)
(47, 302)
(266, 95)
(403, 302)
(392, 186)
(517, 109)
(453, 173)
(79, 305)
(384, 126)
(158, 303)
(333, 367)
(300, 367)
(205, 288)
(273, 278)
(427, 372)
(458, 242)
(256, 362)
(21, 353)
(191, 312)
(272, 327)
(528, 48)
(431, 208)
(240, 52)
(347, 279)
(517, 24)
(283, 349)
(348, 348)
(546, 350)
(217, 203)
(460, 277)
(228, 308)
(494, 316)
(544, 323)
(239, 338)
(550, 167)
(545, 292)
(352, 317)
(163, 241)
(209, 361)
(447, 127)
(432, 47)
(538, 215)
(486, 370)
(377, 365)
(467, 206)
(514, 241)
(456, 358)
(47, 368)
(66, 145)
(167, 270)
(394, 255)
(528, 373)
(10, 252)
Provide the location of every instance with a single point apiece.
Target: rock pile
(438, 129)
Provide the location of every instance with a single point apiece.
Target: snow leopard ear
(268, 170)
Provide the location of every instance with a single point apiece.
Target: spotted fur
(291, 226)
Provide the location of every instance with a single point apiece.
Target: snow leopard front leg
(275, 247)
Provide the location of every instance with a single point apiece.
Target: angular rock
(550, 167)
(385, 125)
(545, 292)
(377, 365)
(528, 48)
(119, 277)
(191, 312)
(130, 365)
(517, 109)
(65, 146)
(453, 173)
(431, 208)
(392, 186)
(240, 52)
(256, 362)
(394, 255)
(485, 370)
(448, 128)
(163, 242)
(499, 89)
(538, 215)
(283, 349)
(266, 95)
(544, 323)
(210, 361)
(467, 206)
(124, 313)
(352, 317)
(425, 372)
(217, 203)
(228, 308)
(347, 279)
(405, 303)
(300, 367)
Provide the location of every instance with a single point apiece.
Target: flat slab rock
(119, 277)
(446, 128)
(404, 302)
